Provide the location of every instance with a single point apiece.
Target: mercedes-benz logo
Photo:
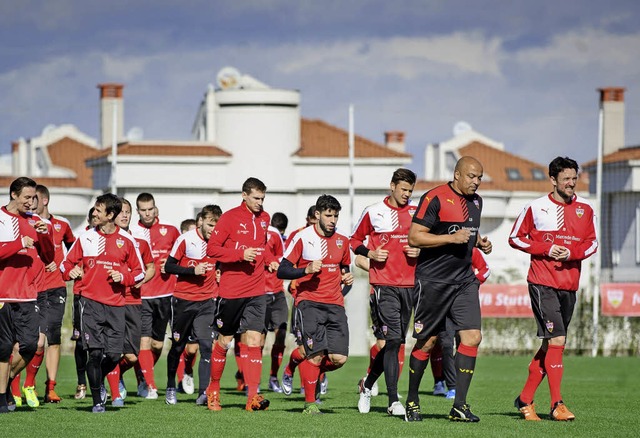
(384, 239)
(548, 237)
(453, 229)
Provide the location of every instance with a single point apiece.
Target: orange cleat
(528, 411)
(51, 397)
(213, 401)
(559, 412)
(257, 403)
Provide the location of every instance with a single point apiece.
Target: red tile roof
(71, 154)
(166, 148)
(624, 154)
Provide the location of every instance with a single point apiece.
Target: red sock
(145, 359)
(554, 366)
(252, 369)
(327, 365)
(309, 373)
(436, 362)
(238, 350)
(180, 370)
(294, 360)
(419, 354)
(32, 369)
(218, 361)
(114, 382)
(51, 384)
(536, 375)
(276, 358)
(401, 354)
(373, 352)
(15, 385)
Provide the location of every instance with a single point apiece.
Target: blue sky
(523, 73)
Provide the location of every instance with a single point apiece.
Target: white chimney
(111, 104)
(612, 101)
(394, 140)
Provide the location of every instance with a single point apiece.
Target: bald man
(446, 226)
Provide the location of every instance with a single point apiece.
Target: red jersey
(161, 238)
(323, 286)
(479, 266)
(62, 235)
(546, 222)
(22, 269)
(191, 250)
(275, 246)
(132, 294)
(386, 225)
(237, 230)
(99, 253)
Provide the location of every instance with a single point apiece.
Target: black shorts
(323, 327)
(277, 312)
(391, 309)
(52, 303)
(156, 313)
(18, 323)
(553, 309)
(192, 321)
(238, 315)
(132, 328)
(102, 326)
(76, 317)
(435, 301)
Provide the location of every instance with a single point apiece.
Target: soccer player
(187, 225)
(156, 294)
(446, 227)
(193, 303)
(110, 263)
(559, 231)
(26, 247)
(322, 258)
(277, 309)
(238, 243)
(132, 312)
(51, 303)
(385, 227)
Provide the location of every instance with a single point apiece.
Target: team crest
(310, 343)
(86, 337)
(299, 335)
(163, 231)
(549, 326)
(412, 211)
(339, 243)
(57, 227)
(119, 243)
(579, 211)
(615, 297)
(417, 326)
(219, 323)
(385, 329)
(176, 336)
(476, 203)
(32, 221)
(263, 224)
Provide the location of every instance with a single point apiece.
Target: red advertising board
(505, 301)
(620, 299)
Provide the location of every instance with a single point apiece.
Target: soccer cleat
(187, 384)
(463, 413)
(118, 402)
(239, 381)
(4, 409)
(559, 412)
(324, 384)
(201, 400)
(274, 385)
(51, 397)
(412, 412)
(374, 389)
(311, 409)
(17, 400)
(81, 392)
(152, 394)
(396, 409)
(31, 396)
(287, 384)
(213, 401)
(170, 396)
(98, 409)
(122, 389)
(439, 388)
(527, 410)
(257, 403)
(451, 394)
(143, 389)
(364, 403)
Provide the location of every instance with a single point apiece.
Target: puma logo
(451, 201)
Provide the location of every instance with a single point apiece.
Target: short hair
(255, 184)
(185, 224)
(405, 175)
(20, 183)
(311, 213)
(90, 215)
(559, 164)
(111, 202)
(145, 197)
(43, 190)
(211, 210)
(327, 202)
(280, 221)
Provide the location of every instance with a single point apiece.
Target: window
(513, 174)
(538, 175)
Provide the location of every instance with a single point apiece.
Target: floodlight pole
(114, 149)
(351, 166)
(597, 255)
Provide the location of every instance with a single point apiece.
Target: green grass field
(602, 392)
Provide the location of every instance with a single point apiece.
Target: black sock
(94, 373)
(416, 370)
(173, 359)
(465, 367)
(80, 356)
(377, 368)
(391, 368)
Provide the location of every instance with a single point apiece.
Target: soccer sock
(94, 373)
(276, 358)
(51, 384)
(401, 356)
(373, 352)
(145, 359)
(15, 385)
(376, 368)
(391, 368)
(32, 368)
(309, 373)
(124, 365)
(238, 350)
(114, 383)
(190, 361)
(181, 366)
(3, 399)
(204, 366)
(294, 360)
(80, 355)
(554, 366)
(535, 378)
(327, 365)
(418, 362)
(465, 366)
(218, 361)
(436, 362)
(252, 369)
